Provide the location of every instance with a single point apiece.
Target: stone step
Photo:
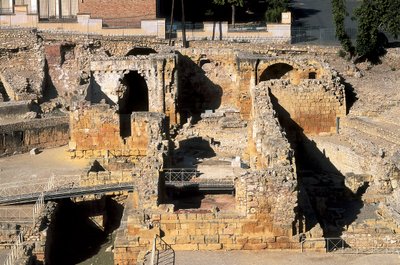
(386, 131)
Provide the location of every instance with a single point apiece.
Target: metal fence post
(153, 251)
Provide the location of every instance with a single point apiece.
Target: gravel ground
(280, 258)
(3, 255)
(28, 167)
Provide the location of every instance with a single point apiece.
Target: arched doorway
(276, 71)
(134, 99)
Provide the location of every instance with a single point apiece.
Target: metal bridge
(188, 178)
(54, 188)
(70, 186)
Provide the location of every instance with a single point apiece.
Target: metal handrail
(334, 242)
(180, 174)
(6, 11)
(165, 247)
(16, 251)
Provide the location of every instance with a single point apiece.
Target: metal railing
(6, 11)
(332, 244)
(16, 251)
(161, 252)
(38, 185)
(248, 27)
(180, 174)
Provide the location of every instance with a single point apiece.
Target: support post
(183, 25)
(171, 23)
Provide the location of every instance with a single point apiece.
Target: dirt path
(28, 167)
(280, 258)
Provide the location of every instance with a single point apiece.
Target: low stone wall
(105, 177)
(95, 132)
(208, 231)
(39, 133)
(14, 109)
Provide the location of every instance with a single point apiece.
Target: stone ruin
(252, 116)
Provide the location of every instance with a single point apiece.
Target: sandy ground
(3, 255)
(280, 258)
(28, 167)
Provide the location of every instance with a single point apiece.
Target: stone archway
(135, 98)
(276, 71)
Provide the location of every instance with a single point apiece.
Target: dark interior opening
(3, 93)
(197, 93)
(276, 71)
(73, 237)
(312, 75)
(140, 51)
(135, 98)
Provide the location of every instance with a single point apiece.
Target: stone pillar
(160, 86)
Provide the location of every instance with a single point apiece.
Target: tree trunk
(172, 22)
(183, 26)
(233, 15)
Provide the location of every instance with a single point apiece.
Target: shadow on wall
(190, 151)
(3, 93)
(49, 91)
(323, 196)
(95, 95)
(197, 92)
(351, 95)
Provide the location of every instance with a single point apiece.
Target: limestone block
(259, 246)
(210, 246)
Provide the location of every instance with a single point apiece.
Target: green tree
(233, 3)
(275, 9)
(375, 17)
(339, 15)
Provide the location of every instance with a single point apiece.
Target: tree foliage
(230, 2)
(339, 15)
(275, 9)
(375, 17)
(233, 3)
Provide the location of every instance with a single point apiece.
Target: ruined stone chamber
(228, 148)
(235, 113)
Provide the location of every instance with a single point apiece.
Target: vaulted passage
(135, 98)
(276, 71)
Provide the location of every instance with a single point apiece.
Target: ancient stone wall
(157, 70)
(39, 133)
(95, 132)
(14, 110)
(313, 105)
